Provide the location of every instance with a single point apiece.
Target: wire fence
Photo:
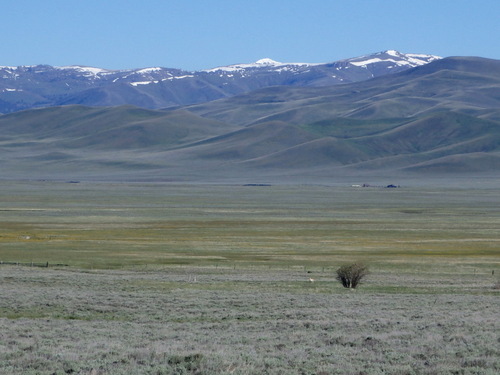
(33, 264)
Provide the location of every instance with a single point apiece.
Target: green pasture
(113, 225)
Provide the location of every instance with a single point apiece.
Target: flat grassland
(214, 279)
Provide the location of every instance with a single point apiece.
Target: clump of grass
(189, 363)
(350, 275)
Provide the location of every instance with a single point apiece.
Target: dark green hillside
(438, 131)
(458, 164)
(348, 127)
(391, 144)
(98, 142)
(70, 121)
(318, 152)
(123, 127)
(253, 142)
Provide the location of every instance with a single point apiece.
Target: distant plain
(106, 225)
(158, 278)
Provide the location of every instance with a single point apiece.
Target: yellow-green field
(94, 225)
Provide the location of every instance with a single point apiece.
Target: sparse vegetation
(351, 275)
(168, 279)
(156, 320)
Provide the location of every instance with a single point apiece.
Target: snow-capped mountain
(390, 59)
(265, 63)
(26, 87)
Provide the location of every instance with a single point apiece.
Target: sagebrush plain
(155, 278)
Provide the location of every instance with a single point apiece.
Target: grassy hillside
(113, 127)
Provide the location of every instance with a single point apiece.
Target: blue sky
(201, 34)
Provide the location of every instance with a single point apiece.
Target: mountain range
(433, 118)
(27, 87)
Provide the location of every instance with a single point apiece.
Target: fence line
(219, 266)
(32, 264)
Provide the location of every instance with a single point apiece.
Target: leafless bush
(350, 275)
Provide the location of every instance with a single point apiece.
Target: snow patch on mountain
(391, 56)
(395, 57)
(267, 61)
(262, 63)
(149, 70)
(180, 77)
(393, 52)
(86, 70)
(135, 84)
(422, 59)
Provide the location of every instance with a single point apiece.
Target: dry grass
(169, 279)
(244, 321)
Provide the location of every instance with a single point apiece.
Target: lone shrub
(350, 275)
